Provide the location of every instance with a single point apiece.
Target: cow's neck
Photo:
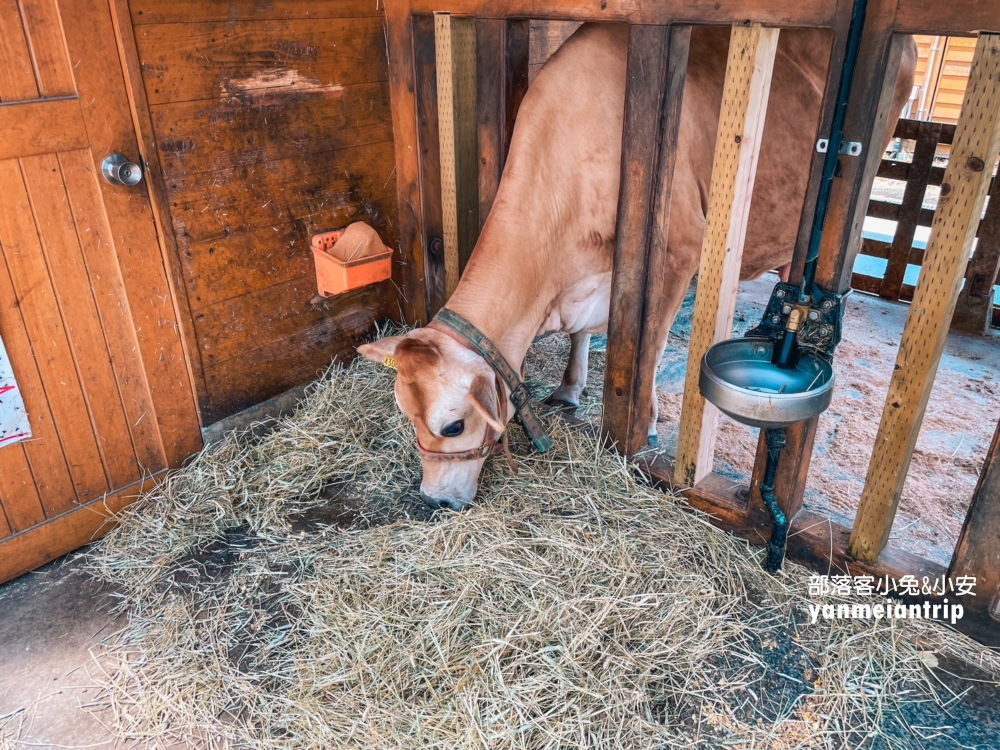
(504, 292)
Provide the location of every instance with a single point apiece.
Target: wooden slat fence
(919, 174)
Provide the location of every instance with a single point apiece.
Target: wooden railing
(975, 310)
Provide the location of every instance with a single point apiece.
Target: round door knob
(118, 170)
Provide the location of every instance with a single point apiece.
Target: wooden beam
(502, 73)
(455, 44)
(963, 192)
(424, 237)
(799, 13)
(977, 553)
(947, 19)
(974, 309)
(27, 129)
(734, 168)
(657, 68)
(869, 111)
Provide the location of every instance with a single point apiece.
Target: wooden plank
(910, 210)
(49, 344)
(977, 553)
(256, 375)
(52, 483)
(28, 128)
(805, 13)
(213, 205)
(132, 229)
(734, 168)
(428, 164)
(259, 61)
(74, 295)
(108, 289)
(455, 54)
(502, 71)
(974, 309)
(64, 533)
(48, 47)
(190, 11)
(128, 54)
(977, 140)
(932, 17)
(657, 69)
(203, 136)
(245, 323)
(17, 76)
(22, 507)
(249, 262)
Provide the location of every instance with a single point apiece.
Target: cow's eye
(454, 429)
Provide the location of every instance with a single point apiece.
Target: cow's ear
(379, 351)
(483, 398)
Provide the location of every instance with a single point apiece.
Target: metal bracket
(823, 324)
(847, 148)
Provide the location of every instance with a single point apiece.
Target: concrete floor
(49, 620)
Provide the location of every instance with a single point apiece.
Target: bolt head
(786, 309)
(780, 294)
(775, 319)
(813, 315)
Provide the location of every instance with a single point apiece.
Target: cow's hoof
(653, 440)
(559, 402)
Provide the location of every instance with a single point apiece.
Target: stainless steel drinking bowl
(738, 377)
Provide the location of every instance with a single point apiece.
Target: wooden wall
(271, 122)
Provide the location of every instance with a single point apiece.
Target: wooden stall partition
(654, 90)
(734, 168)
(977, 554)
(269, 122)
(86, 310)
(963, 193)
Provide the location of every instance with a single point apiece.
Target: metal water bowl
(738, 377)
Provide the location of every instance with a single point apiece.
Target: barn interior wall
(271, 123)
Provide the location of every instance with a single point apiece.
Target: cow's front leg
(574, 380)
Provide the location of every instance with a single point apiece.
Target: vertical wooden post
(978, 551)
(974, 309)
(456, 87)
(657, 68)
(868, 113)
(502, 73)
(428, 164)
(734, 168)
(928, 134)
(963, 192)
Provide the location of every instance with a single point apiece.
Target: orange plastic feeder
(334, 276)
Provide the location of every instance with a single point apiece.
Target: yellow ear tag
(390, 362)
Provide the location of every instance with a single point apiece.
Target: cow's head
(449, 394)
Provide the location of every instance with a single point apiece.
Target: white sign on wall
(13, 419)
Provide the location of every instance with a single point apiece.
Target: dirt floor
(961, 416)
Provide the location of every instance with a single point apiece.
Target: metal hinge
(848, 148)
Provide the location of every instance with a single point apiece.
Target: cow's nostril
(435, 503)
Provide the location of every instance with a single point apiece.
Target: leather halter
(454, 325)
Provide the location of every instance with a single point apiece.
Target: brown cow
(543, 259)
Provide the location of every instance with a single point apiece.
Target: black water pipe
(833, 146)
(775, 439)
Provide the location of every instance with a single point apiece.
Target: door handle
(118, 170)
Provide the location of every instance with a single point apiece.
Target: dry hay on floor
(573, 606)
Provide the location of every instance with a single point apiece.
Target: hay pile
(574, 606)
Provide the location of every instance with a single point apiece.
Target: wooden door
(86, 309)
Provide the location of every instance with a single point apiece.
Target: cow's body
(543, 259)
